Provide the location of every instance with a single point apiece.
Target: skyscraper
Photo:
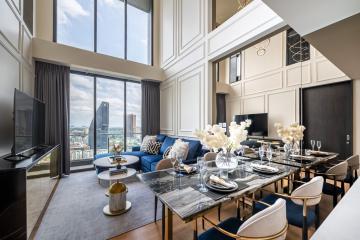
(131, 124)
(102, 127)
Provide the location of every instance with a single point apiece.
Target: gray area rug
(75, 211)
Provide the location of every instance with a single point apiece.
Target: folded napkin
(264, 167)
(188, 168)
(221, 181)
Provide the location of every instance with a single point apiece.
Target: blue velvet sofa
(148, 162)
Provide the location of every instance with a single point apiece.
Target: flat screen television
(29, 123)
(259, 125)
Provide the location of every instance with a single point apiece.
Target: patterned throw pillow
(180, 148)
(166, 153)
(153, 147)
(146, 141)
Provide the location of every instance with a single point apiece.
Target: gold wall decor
(261, 47)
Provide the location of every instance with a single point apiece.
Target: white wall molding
(167, 31)
(168, 107)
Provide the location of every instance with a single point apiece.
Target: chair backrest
(340, 170)
(164, 164)
(269, 222)
(309, 189)
(210, 156)
(353, 162)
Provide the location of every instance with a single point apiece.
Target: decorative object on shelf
(215, 138)
(261, 47)
(242, 3)
(291, 136)
(117, 148)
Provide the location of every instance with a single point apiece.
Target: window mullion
(95, 25)
(125, 30)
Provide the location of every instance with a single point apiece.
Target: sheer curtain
(52, 87)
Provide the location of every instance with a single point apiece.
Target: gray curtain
(220, 108)
(52, 87)
(150, 107)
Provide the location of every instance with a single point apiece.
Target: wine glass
(202, 168)
(312, 142)
(269, 153)
(199, 162)
(318, 144)
(261, 152)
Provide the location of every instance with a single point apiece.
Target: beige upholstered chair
(210, 156)
(307, 195)
(336, 173)
(270, 223)
(353, 165)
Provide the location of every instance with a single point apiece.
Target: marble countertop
(180, 194)
(342, 222)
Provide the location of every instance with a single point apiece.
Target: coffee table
(105, 176)
(105, 163)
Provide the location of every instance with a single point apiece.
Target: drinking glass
(269, 153)
(318, 144)
(202, 168)
(200, 161)
(312, 142)
(261, 152)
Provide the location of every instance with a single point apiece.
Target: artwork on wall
(297, 49)
(261, 47)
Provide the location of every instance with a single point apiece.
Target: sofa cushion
(180, 149)
(147, 160)
(169, 141)
(153, 147)
(145, 142)
(194, 148)
(135, 153)
(160, 137)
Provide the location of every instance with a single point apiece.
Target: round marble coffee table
(105, 163)
(107, 179)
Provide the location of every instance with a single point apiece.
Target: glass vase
(226, 161)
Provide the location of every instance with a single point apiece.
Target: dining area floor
(184, 231)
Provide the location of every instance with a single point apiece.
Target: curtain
(52, 87)
(220, 108)
(150, 107)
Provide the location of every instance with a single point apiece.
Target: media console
(27, 187)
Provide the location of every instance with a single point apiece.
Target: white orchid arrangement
(291, 134)
(214, 137)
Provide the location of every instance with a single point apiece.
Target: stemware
(269, 153)
(261, 152)
(318, 144)
(202, 168)
(312, 142)
(199, 161)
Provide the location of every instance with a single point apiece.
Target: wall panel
(9, 24)
(326, 70)
(299, 74)
(267, 83)
(168, 107)
(253, 105)
(168, 31)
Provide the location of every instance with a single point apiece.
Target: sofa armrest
(135, 148)
(203, 152)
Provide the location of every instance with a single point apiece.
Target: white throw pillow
(145, 142)
(180, 148)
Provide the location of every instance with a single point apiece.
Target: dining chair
(337, 174)
(353, 167)
(298, 204)
(162, 164)
(268, 224)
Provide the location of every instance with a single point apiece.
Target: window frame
(150, 37)
(87, 161)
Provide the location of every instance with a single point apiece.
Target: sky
(76, 28)
(108, 90)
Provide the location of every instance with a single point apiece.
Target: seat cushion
(293, 211)
(147, 160)
(328, 189)
(135, 153)
(231, 225)
(153, 166)
(194, 148)
(169, 141)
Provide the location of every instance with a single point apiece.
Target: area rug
(75, 211)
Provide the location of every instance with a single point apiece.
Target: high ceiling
(225, 9)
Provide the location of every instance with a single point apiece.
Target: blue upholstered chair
(267, 224)
(298, 204)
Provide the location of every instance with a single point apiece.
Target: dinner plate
(217, 188)
(265, 170)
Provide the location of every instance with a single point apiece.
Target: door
(328, 117)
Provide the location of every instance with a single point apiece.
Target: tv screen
(259, 125)
(29, 122)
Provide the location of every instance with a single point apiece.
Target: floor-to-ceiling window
(119, 28)
(103, 111)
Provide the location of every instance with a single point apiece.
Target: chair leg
(335, 200)
(156, 204)
(342, 188)
(317, 212)
(238, 209)
(219, 212)
(195, 236)
(203, 224)
(163, 222)
(356, 174)
(305, 229)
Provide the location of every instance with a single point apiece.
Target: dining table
(180, 195)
